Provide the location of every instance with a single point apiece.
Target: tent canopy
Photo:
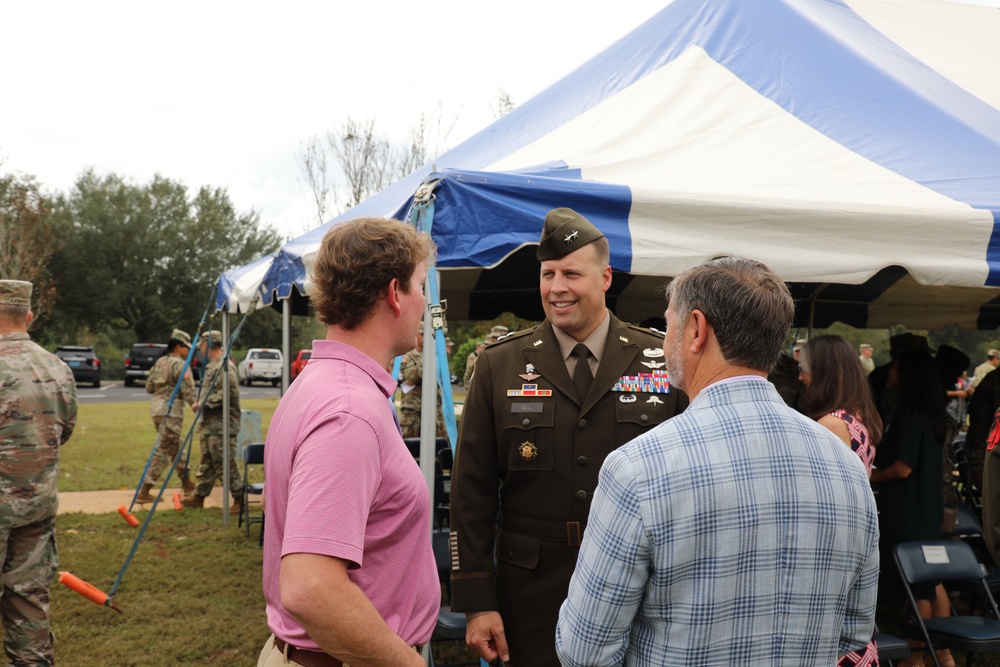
(852, 145)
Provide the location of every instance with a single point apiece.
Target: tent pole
(225, 420)
(286, 341)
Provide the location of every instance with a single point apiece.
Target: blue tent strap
(422, 218)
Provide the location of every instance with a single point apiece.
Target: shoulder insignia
(506, 338)
(648, 331)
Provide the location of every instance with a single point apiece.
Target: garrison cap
(214, 337)
(181, 337)
(565, 231)
(15, 293)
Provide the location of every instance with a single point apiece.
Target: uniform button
(582, 461)
(641, 418)
(581, 494)
(582, 423)
(510, 554)
(526, 421)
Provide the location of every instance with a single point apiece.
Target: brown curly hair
(357, 260)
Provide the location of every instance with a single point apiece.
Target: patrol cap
(565, 231)
(865, 346)
(15, 293)
(214, 337)
(993, 354)
(181, 337)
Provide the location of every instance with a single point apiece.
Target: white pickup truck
(260, 365)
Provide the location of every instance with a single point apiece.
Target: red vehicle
(299, 362)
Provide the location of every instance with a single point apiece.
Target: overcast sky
(224, 93)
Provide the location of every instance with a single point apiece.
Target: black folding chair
(442, 487)
(252, 455)
(450, 625)
(936, 561)
(890, 647)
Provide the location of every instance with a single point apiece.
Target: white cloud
(223, 93)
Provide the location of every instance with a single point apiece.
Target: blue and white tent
(852, 145)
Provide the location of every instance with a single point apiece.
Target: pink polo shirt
(341, 482)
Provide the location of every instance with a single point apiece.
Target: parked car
(140, 359)
(260, 365)
(83, 361)
(299, 362)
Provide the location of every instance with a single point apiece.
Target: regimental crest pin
(653, 364)
(528, 451)
(628, 398)
(652, 352)
(655, 400)
(570, 237)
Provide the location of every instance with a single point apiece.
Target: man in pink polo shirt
(349, 571)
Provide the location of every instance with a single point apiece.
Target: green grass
(191, 595)
(112, 443)
(192, 592)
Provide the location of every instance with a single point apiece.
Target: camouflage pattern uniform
(470, 366)
(411, 372)
(37, 416)
(160, 383)
(211, 429)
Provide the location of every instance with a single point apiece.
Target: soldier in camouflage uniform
(411, 374)
(470, 363)
(212, 394)
(162, 379)
(37, 416)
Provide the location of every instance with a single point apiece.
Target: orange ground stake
(177, 501)
(86, 590)
(132, 521)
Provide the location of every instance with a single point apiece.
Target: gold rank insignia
(528, 451)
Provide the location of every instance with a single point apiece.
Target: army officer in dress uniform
(546, 406)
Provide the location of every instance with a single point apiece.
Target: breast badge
(655, 400)
(528, 451)
(529, 374)
(628, 398)
(652, 364)
(652, 352)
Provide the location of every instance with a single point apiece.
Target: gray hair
(747, 304)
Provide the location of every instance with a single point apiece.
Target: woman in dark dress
(908, 473)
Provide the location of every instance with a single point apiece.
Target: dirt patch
(99, 502)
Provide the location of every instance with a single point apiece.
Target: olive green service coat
(531, 461)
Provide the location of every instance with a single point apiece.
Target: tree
(27, 241)
(144, 258)
(504, 105)
(368, 161)
(312, 159)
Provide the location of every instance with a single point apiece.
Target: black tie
(582, 377)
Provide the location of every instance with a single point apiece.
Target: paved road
(115, 391)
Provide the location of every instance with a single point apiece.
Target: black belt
(567, 532)
(310, 658)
